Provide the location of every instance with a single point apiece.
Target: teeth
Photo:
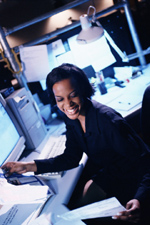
(70, 110)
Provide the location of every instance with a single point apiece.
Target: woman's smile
(73, 110)
(67, 99)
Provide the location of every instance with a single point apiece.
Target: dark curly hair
(78, 79)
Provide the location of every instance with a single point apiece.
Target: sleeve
(68, 160)
(127, 143)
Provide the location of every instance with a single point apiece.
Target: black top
(121, 158)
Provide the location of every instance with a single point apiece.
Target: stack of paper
(20, 204)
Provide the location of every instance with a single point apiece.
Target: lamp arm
(116, 48)
(112, 43)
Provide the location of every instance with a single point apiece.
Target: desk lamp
(92, 31)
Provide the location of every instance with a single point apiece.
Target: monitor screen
(11, 141)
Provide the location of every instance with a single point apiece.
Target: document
(73, 222)
(35, 62)
(24, 193)
(38, 61)
(104, 208)
(42, 219)
(23, 214)
(20, 204)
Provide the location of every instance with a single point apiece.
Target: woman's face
(67, 99)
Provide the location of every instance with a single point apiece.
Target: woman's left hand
(132, 212)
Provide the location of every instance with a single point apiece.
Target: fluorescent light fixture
(90, 31)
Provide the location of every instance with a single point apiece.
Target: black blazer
(121, 158)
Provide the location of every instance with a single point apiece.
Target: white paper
(20, 204)
(57, 47)
(104, 208)
(125, 102)
(42, 219)
(38, 61)
(35, 62)
(54, 49)
(97, 53)
(21, 194)
(19, 213)
(65, 58)
(123, 73)
(73, 222)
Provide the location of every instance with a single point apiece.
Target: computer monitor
(11, 139)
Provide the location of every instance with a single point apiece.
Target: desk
(63, 187)
(133, 92)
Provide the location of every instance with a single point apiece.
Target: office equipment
(21, 179)
(101, 82)
(12, 141)
(51, 175)
(89, 32)
(92, 31)
(97, 53)
(6, 92)
(89, 71)
(54, 146)
(28, 117)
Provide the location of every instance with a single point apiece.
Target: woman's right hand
(19, 167)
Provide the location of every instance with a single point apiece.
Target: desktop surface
(128, 99)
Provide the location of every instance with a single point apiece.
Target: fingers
(7, 169)
(128, 215)
(13, 167)
(18, 167)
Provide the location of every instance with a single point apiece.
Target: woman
(120, 158)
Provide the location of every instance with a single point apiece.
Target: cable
(8, 64)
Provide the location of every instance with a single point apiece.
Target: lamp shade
(88, 33)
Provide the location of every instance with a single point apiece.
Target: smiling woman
(69, 91)
(78, 79)
(120, 159)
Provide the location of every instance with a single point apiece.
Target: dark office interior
(13, 13)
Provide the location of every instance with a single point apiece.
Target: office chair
(145, 116)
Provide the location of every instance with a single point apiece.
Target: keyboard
(54, 146)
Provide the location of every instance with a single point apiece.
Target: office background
(18, 12)
(15, 13)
